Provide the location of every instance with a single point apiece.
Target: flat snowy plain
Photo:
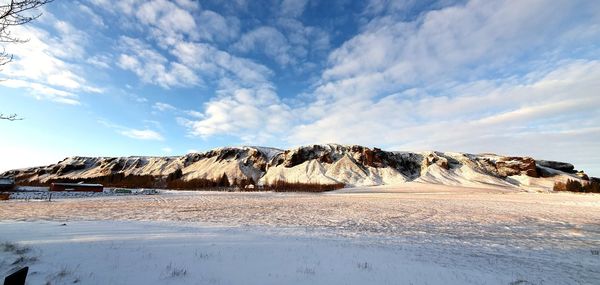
(408, 234)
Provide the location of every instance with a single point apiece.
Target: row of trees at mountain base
(203, 183)
(244, 185)
(172, 181)
(175, 181)
(284, 186)
(248, 184)
(575, 186)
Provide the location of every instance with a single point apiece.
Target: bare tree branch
(16, 13)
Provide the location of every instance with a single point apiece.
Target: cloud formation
(47, 64)
(483, 76)
(160, 106)
(461, 77)
(449, 75)
(145, 133)
(253, 115)
(142, 134)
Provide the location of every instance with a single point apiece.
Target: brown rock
(509, 166)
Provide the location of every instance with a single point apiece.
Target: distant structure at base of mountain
(7, 183)
(81, 187)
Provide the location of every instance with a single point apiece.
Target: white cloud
(69, 42)
(152, 67)
(163, 107)
(292, 8)
(213, 62)
(483, 76)
(154, 123)
(167, 17)
(269, 41)
(167, 150)
(303, 38)
(460, 77)
(455, 43)
(43, 63)
(145, 134)
(289, 43)
(129, 62)
(100, 61)
(91, 15)
(43, 92)
(140, 134)
(195, 114)
(188, 4)
(544, 114)
(213, 26)
(254, 115)
(169, 22)
(177, 33)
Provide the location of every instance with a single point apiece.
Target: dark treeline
(575, 186)
(175, 181)
(279, 186)
(172, 181)
(203, 183)
(283, 186)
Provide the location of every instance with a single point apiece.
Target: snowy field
(409, 234)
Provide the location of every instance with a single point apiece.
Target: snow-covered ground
(417, 233)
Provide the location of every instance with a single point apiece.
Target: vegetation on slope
(575, 186)
(283, 186)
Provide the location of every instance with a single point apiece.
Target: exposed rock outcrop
(562, 166)
(509, 166)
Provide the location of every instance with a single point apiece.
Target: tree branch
(16, 13)
(12, 14)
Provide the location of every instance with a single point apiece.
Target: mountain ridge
(352, 165)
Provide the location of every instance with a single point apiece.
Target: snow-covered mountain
(326, 164)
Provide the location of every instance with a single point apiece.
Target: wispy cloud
(458, 75)
(474, 116)
(215, 27)
(458, 42)
(90, 14)
(453, 76)
(163, 107)
(43, 92)
(152, 67)
(142, 134)
(292, 8)
(268, 40)
(47, 64)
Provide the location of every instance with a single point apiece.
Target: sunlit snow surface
(418, 233)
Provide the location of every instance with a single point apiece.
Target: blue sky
(104, 78)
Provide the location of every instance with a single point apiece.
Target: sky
(159, 77)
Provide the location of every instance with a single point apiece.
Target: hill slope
(324, 164)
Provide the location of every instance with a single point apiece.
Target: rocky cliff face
(351, 165)
(326, 164)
